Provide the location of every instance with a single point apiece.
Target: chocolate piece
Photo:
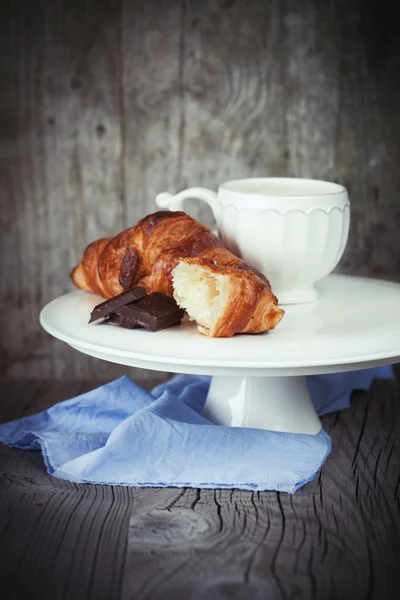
(114, 319)
(103, 310)
(154, 312)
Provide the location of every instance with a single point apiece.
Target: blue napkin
(121, 434)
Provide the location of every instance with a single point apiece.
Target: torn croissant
(224, 294)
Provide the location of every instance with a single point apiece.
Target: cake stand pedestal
(257, 381)
(275, 403)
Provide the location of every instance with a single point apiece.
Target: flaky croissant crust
(144, 254)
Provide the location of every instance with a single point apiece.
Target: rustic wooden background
(103, 104)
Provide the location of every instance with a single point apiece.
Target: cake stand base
(258, 381)
(273, 403)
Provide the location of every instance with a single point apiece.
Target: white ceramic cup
(293, 230)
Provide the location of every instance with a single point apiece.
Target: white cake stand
(258, 381)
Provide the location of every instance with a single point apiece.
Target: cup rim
(331, 188)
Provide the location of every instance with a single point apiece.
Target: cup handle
(171, 202)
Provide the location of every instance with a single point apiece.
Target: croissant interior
(203, 294)
(225, 295)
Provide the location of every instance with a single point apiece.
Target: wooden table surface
(338, 537)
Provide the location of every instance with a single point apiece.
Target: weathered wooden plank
(338, 537)
(62, 156)
(311, 80)
(60, 75)
(367, 146)
(57, 539)
(105, 104)
(233, 93)
(151, 101)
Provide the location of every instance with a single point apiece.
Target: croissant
(172, 253)
(224, 294)
(142, 255)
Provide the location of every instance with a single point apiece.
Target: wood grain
(63, 168)
(151, 51)
(52, 528)
(367, 143)
(233, 101)
(311, 101)
(104, 104)
(337, 537)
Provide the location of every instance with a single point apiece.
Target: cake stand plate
(258, 380)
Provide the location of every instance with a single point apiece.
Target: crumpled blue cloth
(120, 434)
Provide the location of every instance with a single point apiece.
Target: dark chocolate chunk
(154, 312)
(103, 310)
(115, 319)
